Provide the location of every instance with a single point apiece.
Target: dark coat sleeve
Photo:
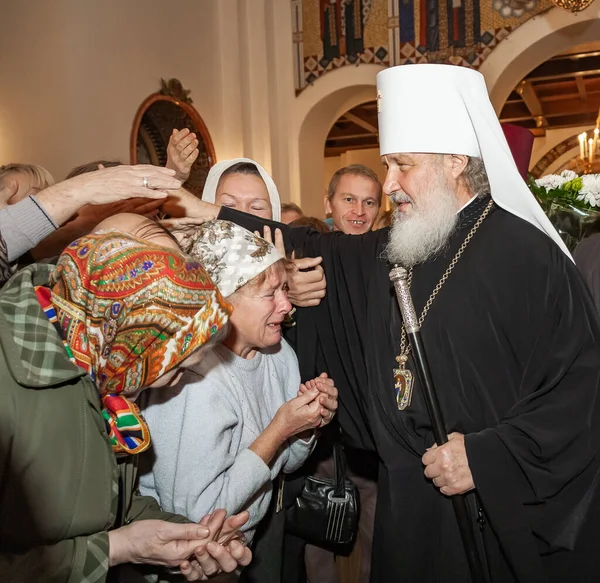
(536, 470)
(331, 336)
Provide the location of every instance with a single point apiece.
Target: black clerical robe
(514, 347)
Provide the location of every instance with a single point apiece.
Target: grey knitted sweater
(201, 431)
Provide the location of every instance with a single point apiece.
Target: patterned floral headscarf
(231, 254)
(130, 311)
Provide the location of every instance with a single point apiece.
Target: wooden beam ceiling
(563, 92)
(581, 88)
(533, 104)
(355, 130)
(361, 122)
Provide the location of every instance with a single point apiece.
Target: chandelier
(572, 5)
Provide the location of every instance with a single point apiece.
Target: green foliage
(565, 195)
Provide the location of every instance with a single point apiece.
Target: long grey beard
(423, 235)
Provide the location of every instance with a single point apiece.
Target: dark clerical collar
(469, 214)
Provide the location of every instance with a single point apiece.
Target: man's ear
(8, 188)
(456, 164)
(327, 206)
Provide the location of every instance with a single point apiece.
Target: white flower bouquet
(570, 201)
(578, 191)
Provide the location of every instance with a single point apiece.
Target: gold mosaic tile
(376, 29)
(311, 28)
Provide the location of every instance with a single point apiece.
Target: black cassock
(514, 346)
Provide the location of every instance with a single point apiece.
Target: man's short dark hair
(355, 170)
(288, 207)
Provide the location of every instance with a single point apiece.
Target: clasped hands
(312, 408)
(448, 467)
(200, 550)
(324, 395)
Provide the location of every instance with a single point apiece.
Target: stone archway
(316, 110)
(532, 43)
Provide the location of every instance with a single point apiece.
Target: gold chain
(404, 351)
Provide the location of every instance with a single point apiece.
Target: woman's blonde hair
(39, 176)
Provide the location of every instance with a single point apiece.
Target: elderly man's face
(409, 179)
(425, 190)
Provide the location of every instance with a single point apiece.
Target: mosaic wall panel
(329, 34)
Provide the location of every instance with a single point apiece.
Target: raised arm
(108, 185)
(28, 222)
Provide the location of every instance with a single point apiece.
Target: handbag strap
(339, 470)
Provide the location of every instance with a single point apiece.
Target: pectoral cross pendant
(403, 382)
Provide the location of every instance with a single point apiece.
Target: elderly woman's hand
(303, 413)
(225, 551)
(182, 152)
(155, 542)
(328, 397)
(109, 185)
(300, 414)
(215, 544)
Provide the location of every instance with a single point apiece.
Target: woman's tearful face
(259, 310)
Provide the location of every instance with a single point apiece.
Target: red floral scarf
(130, 311)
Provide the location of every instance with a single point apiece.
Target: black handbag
(326, 511)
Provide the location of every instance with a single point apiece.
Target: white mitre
(445, 109)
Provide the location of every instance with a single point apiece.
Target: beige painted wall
(74, 73)
(70, 95)
(370, 158)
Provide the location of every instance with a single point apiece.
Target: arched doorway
(534, 42)
(528, 49)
